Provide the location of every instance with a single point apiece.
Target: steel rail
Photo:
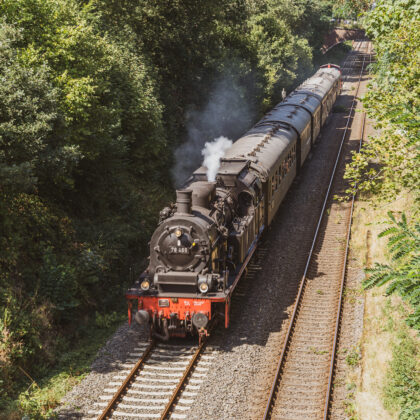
(340, 302)
(342, 285)
(107, 412)
(275, 385)
(187, 374)
(124, 386)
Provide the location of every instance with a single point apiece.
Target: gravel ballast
(236, 386)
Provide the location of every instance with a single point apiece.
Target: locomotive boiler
(205, 240)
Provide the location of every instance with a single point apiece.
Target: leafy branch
(403, 271)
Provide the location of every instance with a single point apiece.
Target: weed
(339, 381)
(402, 384)
(350, 386)
(350, 407)
(351, 294)
(108, 319)
(320, 292)
(353, 357)
(316, 351)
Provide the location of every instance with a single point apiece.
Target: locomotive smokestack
(183, 201)
(203, 193)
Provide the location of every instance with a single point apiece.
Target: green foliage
(94, 99)
(72, 363)
(402, 384)
(389, 162)
(80, 127)
(403, 271)
(353, 356)
(350, 9)
(107, 320)
(260, 47)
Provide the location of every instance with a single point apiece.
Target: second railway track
(161, 381)
(302, 385)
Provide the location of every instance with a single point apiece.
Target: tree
(389, 161)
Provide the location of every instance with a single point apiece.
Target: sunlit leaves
(389, 161)
(402, 274)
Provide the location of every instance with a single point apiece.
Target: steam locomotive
(204, 242)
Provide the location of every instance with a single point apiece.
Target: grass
(353, 357)
(386, 386)
(402, 382)
(39, 396)
(317, 351)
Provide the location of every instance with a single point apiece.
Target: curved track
(303, 381)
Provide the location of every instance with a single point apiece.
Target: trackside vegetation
(94, 97)
(387, 173)
(387, 166)
(402, 274)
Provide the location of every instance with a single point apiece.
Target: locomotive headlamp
(204, 287)
(145, 285)
(204, 282)
(178, 233)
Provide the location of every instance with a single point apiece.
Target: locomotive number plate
(179, 250)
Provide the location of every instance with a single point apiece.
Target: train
(204, 242)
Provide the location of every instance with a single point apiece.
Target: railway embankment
(382, 379)
(377, 368)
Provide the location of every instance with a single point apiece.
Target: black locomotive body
(204, 242)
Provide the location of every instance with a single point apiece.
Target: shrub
(403, 271)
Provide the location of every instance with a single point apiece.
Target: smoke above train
(205, 240)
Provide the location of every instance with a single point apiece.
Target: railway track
(302, 385)
(158, 382)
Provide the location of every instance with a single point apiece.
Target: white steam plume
(227, 111)
(212, 153)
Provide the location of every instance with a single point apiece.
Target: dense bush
(95, 97)
(80, 127)
(350, 9)
(386, 169)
